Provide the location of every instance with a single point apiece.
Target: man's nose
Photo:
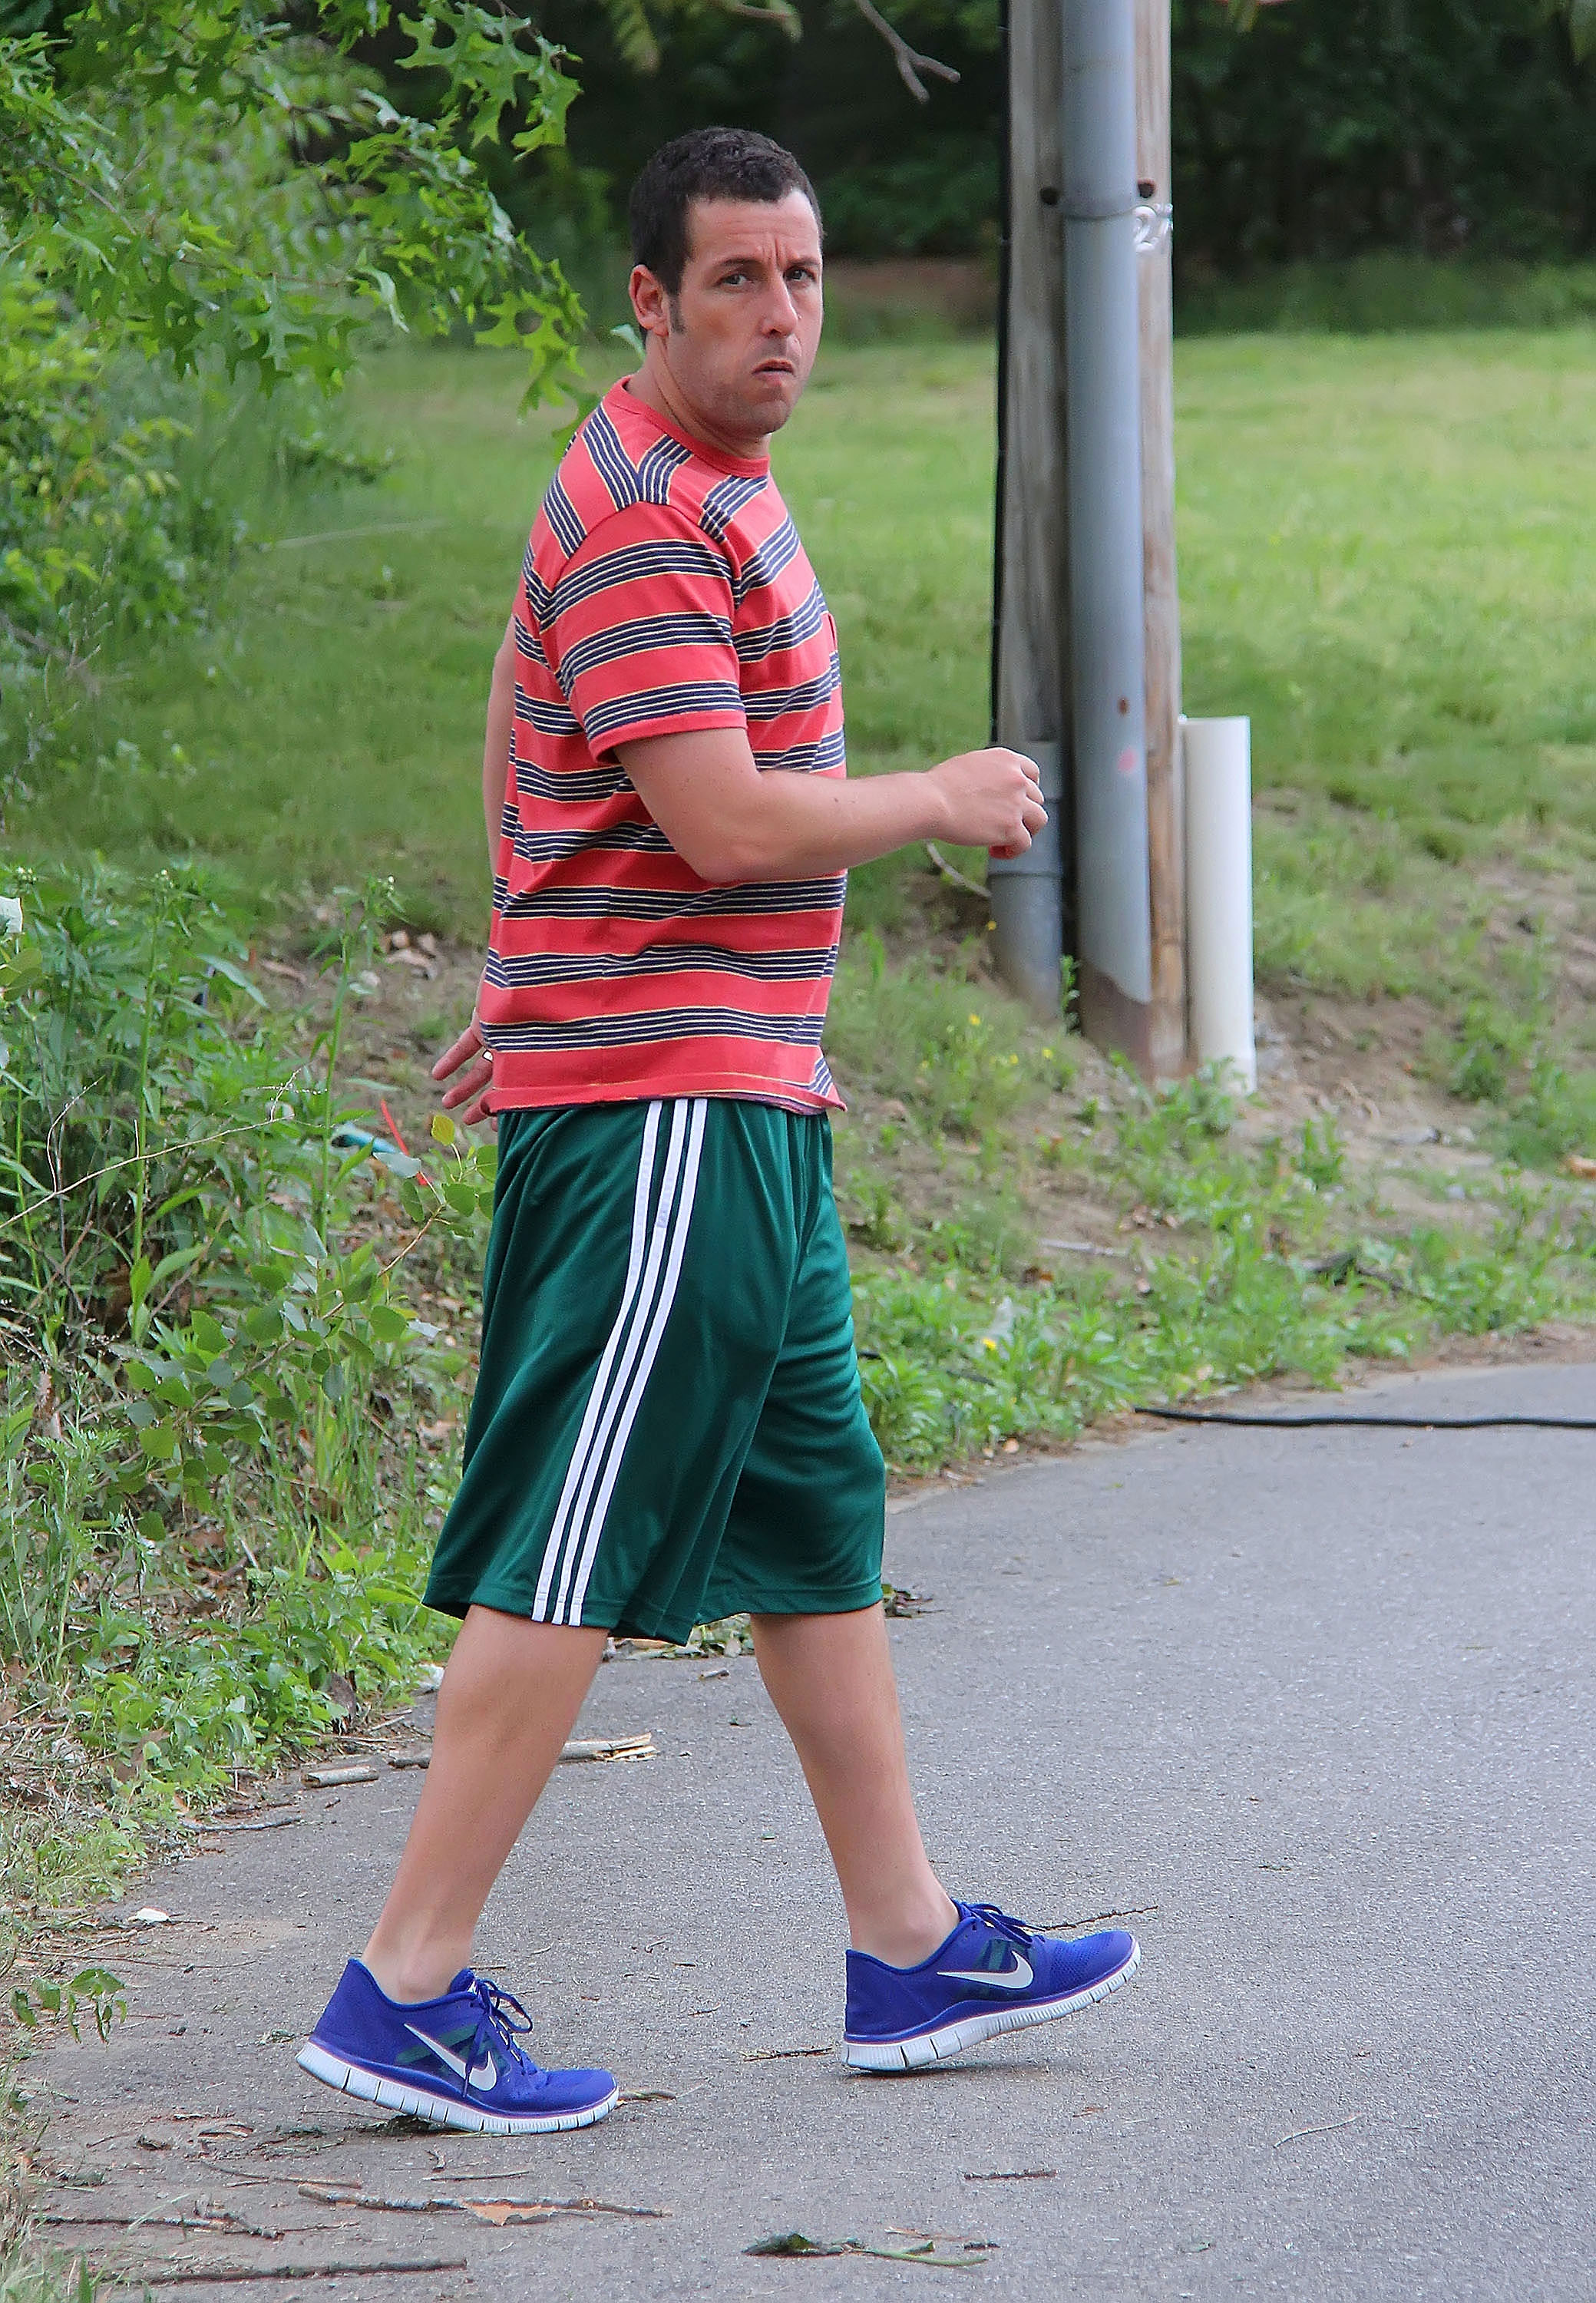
(781, 313)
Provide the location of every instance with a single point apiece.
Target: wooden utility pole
(1030, 641)
(1166, 798)
(1034, 708)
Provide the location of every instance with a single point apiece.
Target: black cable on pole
(1005, 260)
(1373, 1422)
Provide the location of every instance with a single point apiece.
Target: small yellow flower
(974, 1019)
(988, 1341)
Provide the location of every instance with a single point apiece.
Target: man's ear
(650, 303)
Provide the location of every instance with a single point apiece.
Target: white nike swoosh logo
(1017, 1979)
(484, 2076)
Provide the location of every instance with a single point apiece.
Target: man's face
(741, 336)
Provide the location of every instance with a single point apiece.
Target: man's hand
(993, 799)
(468, 1056)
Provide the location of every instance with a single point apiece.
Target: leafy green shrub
(211, 1368)
(954, 1050)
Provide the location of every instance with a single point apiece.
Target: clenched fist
(993, 799)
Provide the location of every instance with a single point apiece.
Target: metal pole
(1107, 635)
(1030, 896)
(1166, 791)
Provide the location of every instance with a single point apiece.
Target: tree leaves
(218, 184)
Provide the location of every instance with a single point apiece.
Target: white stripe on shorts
(634, 1401)
(551, 1557)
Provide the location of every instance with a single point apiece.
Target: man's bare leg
(830, 1678)
(510, 1697)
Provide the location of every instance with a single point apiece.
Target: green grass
(1381, 551)
(1389, 294)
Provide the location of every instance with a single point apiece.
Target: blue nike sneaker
(991, 1975)
(452, 2060)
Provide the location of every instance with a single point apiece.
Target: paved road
(1317, 1707)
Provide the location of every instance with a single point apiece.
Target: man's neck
(656, 385)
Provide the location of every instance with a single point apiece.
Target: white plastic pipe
(1219, 892)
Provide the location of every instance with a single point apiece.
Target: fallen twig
(568, 2207)
(494, 2211)
(224, 2273)
(779, 2055)
(1014, 2175)
(324, 1779)
(1334, 2127)
(1142, 1911)
(261, 1823)
(214, 2219)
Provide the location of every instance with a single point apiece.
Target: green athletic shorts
(667, 1426)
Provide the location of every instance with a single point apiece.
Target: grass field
(1381, 553)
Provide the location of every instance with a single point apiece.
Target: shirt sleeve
(638, 632)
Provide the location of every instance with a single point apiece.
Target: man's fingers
(469, 1044)
(472, 1083)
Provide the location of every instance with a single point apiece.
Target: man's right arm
(730, 821)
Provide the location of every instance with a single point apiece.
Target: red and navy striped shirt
(664, 589)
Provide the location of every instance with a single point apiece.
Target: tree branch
(910, 62)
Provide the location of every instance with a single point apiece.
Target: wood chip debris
(611, 1747)
(973, 2254)
(581, 1747)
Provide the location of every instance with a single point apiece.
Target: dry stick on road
(226, 2274)
(341, 2195)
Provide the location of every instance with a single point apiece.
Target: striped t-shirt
(664, 589)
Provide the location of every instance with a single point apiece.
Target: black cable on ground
(1373, 1422)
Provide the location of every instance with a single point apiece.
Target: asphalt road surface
(1313, 1709)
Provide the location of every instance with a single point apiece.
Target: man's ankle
(905, 1939)
(409, 1979)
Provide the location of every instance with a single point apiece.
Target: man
(667, 1425)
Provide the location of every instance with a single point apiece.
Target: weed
(93, 1995)
(959, 1053)
(1322, 1160)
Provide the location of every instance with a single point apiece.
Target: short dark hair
(711, 163)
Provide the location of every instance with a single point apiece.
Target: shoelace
(497, 2022)
(1002, 1923)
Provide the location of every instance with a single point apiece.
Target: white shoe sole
(438, 2110)
(936, 2046)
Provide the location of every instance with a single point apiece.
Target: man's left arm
(495, 746)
